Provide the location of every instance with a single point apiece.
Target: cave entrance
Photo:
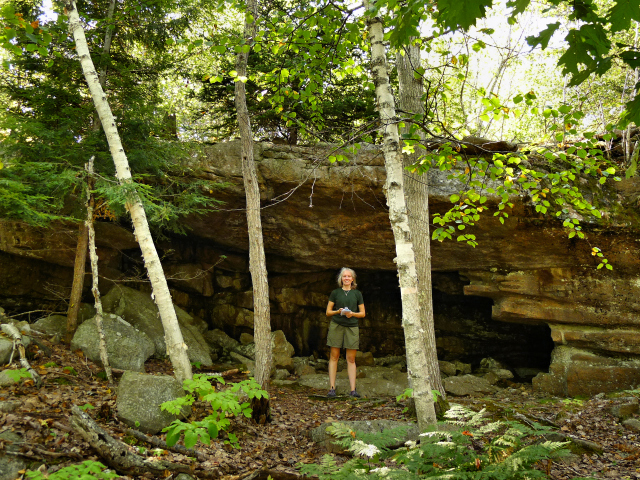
(465, 331)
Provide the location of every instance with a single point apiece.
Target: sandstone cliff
(524, 289)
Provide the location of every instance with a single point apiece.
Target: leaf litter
(40, 416)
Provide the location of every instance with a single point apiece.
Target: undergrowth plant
(466, 446)
(87, 470)
(224, 403)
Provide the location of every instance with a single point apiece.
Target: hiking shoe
(332, 393)
(354, 394)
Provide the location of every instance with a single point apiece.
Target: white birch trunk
(257, 262)
(176, 348)
(405, 260)
(14, 333)
(102, 342)
(416, 193)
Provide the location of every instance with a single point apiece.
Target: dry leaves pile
(41, 417)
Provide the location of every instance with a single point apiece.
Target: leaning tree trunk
(405, 260)
(257, 263)
(176, 348)
(416, 192)
(81, 248)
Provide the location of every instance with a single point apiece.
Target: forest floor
(42, 418)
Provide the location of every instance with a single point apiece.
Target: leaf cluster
(224, 403)
(87, 470)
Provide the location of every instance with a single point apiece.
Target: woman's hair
(353, 274)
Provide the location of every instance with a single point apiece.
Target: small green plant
(16, 375)
(224, 403)
(573, 401)
(197, 364)
(70, 371)
(50, 365)
(86, 406)
(408, 393)
(467, 446)
(87, 470)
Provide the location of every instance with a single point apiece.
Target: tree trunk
(405, 261)
(94, 272)
(257, 263)
(416, 191)
(176, 348)
(81, 248)
(78, 282)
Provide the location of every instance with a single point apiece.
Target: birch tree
(257, 262)
(416, 191)
(83, 233)
(176, 348)
(405, 258)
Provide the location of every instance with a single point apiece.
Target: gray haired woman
(345, 307)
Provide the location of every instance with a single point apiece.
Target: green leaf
(622, 13)
(455, 14)
(518, 6)
(544, 36)
(31, 47)
(454, 198)
(190, 438)
(602, 180)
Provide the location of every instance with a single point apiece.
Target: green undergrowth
(467, 445)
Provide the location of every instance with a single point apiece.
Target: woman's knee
(351, 356)
(335, 354)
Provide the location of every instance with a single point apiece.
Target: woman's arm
(330, 311)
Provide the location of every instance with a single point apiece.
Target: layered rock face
(525, 288)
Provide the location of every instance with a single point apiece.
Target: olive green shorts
(340, 336)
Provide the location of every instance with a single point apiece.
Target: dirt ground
(277, 447)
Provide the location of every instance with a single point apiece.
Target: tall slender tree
(176, 348)
(416, 190)
(405, 258)
(257, 261)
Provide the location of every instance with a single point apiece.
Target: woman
(345, 307)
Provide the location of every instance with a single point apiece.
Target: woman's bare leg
(351, 367)
(333, 366)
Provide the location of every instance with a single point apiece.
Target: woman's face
(347, 278)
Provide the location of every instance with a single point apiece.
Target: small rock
(625, 410)
(632, 424)
(246, 338)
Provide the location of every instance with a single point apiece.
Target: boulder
(365, 359)
(447, 368)
(6, 380)
(10, 465)
(467, 385)
(404, 431)
(140, 397)
(246, 338)
(632, 424)
(282, 351)
(127, 347)
(625, 410)
(139, 310)
(52, 325)
(220, 342)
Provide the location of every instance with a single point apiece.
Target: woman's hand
(349, 314)
(339, 311)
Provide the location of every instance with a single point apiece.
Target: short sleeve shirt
(349, 299)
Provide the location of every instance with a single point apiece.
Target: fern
(470, 447)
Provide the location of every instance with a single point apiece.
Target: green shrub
(224, 403)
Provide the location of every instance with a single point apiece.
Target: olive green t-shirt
(349, 299)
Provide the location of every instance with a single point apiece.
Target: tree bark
(405, 260)
(104, 358)
(416, 191)
(257, 262)
(176, 348)
(77, 286)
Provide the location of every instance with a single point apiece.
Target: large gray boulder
(468, 385)
(139, 399)
(409, 432)
(10, 465)
(139, 309)
(127, 347)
